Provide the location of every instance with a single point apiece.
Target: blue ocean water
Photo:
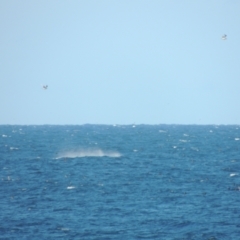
(120, 182)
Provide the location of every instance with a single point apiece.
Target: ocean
(120, 182)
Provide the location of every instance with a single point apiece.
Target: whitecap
(195, 149)
(4, 135)
(181, 140)
(70, 187)
(65, 229)
(233, 174)
(237, 139)
(13, 148)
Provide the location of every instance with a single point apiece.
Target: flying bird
(224, 37)
(45, 87)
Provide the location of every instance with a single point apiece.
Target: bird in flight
(224, 37)
(45, 87)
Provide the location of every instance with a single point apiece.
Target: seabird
(224, 37)
(45, 87)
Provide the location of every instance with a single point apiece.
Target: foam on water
(92, 152)
(162, 131)
(13, 148)
(233, 174)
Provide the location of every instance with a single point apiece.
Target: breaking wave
(79, 153)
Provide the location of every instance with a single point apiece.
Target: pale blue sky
(120, 62)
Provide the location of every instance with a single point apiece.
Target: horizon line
(125, 124)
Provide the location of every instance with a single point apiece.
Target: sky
(119, 62)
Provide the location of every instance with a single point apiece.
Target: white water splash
(13, 148)
(79, 153)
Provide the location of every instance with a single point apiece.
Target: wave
(80, 153)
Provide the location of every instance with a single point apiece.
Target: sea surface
(120, 182)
